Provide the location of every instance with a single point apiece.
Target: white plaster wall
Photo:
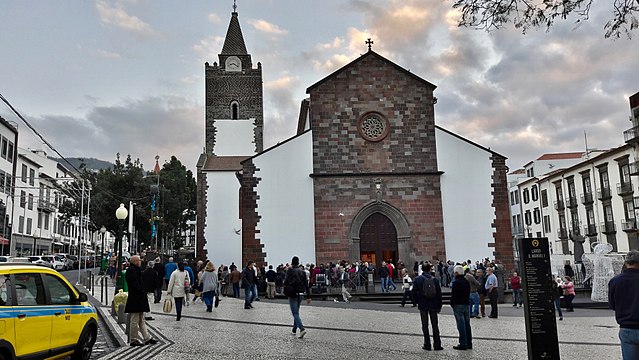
(286, 203)
(466, 198)
(222, 218)
(234, 137)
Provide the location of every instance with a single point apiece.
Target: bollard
(127, 329)
(370, 284)
(121, 314)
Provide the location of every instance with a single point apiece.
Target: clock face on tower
(233, 63)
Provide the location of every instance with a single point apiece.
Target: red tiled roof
(561, 156)
(224, 163)
(518, 171)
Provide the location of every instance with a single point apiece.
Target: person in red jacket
(515, 285)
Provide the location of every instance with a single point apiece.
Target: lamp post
(121, 213)
(102, 267)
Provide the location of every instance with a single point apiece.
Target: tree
(526, 14)
(126, 182)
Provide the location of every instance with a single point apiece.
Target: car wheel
(85, 345)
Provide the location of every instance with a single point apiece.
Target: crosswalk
(137, 352)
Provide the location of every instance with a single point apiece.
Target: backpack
(428, 287)
(292, 284)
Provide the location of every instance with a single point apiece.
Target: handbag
(168, 305)
(217, 301)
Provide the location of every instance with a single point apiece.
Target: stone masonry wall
(503, 233)
(346, 166)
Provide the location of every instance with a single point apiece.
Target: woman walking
(569, 292)
(557, 293)
(209, 286)
(179, 283)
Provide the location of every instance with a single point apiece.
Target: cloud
(214, 18)
(108, 55)
(164, 125)
(118, 17)
(267, 27)
(207, 49)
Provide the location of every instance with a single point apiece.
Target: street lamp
(102, 267)
(121, 213)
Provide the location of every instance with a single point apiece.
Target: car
(5, 258)
(68, 261)
(40, 260)
(75, 260)
(43, 315)
(55, 261)
(18, 260)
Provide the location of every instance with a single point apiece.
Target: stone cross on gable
(369, 42)
(234, 6)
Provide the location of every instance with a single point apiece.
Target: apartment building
(8, 161)
(589, 202)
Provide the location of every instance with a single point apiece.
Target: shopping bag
(168, 305)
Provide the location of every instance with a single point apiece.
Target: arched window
(235, 110)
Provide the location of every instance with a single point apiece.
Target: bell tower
(234, 100)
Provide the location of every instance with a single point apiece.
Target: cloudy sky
(106, 76)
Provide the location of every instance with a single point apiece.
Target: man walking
(491, 289)
(623, 298)
(295, 286)
(459, 301)
(137, 304)
(235, 277)
(428, 295)
(248, 284)
(271, 276)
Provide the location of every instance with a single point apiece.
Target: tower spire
(234, 6)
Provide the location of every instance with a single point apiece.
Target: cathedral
(368, 175)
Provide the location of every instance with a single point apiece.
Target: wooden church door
(378, 240)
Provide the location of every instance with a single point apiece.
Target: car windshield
(47, 258)
(34, 258)
(59, 258)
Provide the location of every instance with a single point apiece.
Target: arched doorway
(378, 240)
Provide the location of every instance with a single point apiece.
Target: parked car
(75, 260)
(40, 261)
(68, 261)
(18, 260)
(55, 261)
(5, 258)
(44, 316)
(87, 262)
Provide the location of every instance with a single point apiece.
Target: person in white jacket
(179, 282)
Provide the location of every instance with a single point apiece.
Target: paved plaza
(352, 331)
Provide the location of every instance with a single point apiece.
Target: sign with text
(541, 324)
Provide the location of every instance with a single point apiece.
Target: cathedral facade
(368, 176)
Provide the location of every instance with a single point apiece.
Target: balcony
(624, 188)
(604, 193)
(45, 205)
(586, 198)
(559, 205)
(590, 230)
(518, 230)
(629, 225)
(631, 134)
(571, 202)
(607, 227)
(634, 168)
(562, 233)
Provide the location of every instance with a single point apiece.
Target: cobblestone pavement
(339, 331)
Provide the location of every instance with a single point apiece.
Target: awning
(3, 241)
(58, 244)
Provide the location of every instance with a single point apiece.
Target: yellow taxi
(42, 316)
